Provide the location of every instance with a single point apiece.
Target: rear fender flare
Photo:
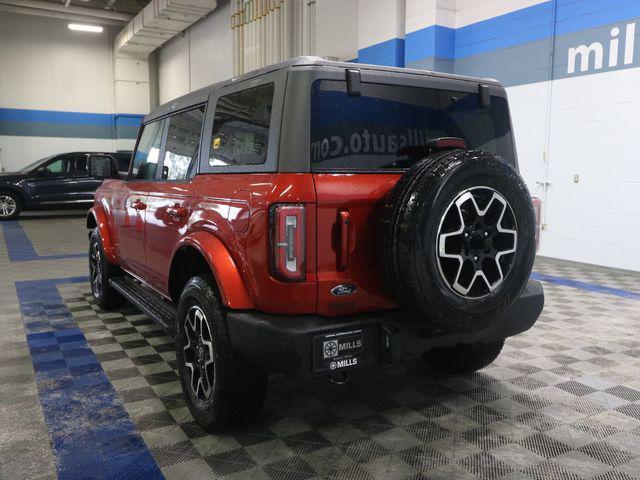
(97, 218)
(233, 291)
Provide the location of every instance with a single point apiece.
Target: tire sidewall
(481, 169)
(96, 240)
(16, 198)
(194, 294)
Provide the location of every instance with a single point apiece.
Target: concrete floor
(91, 394)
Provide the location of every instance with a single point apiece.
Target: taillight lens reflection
(287, 242)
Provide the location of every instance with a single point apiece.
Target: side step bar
(160, 311)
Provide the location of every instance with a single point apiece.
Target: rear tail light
(537, 208)
(287, 223)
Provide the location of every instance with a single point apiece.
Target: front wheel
(222, 389)
(463, 358)
(10, 206)
(100, 272)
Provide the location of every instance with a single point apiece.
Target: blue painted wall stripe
(91, 433)
(519, 27)
(514, 28)
(433, 41)
(51, 116)
(515, 47)
(390, 53)
(49, 123)
(589, 287)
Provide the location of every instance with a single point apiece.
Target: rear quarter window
(376, 129)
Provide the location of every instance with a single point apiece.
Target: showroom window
(145, 160)
(183, 144)
(240, 134)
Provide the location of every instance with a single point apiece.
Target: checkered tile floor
(562, 401)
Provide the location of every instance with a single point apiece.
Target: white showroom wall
(45, 66)
(199, 57)
(57, 91)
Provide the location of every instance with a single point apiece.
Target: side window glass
(101, 166)
(81, 166)
(183, 143)
(59, 166)
(145, 160)
(240, 134)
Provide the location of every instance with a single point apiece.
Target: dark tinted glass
(101, 166)
(145, 160)
(123, 160)
(379, 128)
(81, 166)
(183, 143)
(240, 134)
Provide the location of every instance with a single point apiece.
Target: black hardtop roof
(94, 152)
(201, 95)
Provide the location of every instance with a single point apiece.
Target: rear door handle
(177, 211)
(344, 251)
(138, 205)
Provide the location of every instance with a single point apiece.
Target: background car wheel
(100, 271)
(221, 388)
(459, 239)
(10, 205)
(463, 358)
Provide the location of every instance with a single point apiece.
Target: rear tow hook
(339, 378)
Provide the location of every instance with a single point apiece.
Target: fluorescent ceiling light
(81, 27)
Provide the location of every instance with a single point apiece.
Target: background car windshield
(382, 127)
(36, 164)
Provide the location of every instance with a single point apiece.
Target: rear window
(382, 127)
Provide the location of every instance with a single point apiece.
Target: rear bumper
(293, 344)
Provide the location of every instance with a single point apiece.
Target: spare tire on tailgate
(459, 239)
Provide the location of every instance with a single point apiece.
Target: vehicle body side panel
(233, 291)
(163, 230)
(362, 197)
(102, 224)
(222, 207)
(129, 224)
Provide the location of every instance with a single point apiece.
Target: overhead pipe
(269, 31)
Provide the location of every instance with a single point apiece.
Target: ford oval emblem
(343, 290)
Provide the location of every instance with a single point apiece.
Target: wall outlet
(576, 178)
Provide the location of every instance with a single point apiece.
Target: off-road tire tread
(110, 298)
(242, 386)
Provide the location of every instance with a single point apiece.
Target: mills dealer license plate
(346, 349)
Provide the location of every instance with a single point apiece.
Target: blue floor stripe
(20, 248)
(91, 433)
(590, 287)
